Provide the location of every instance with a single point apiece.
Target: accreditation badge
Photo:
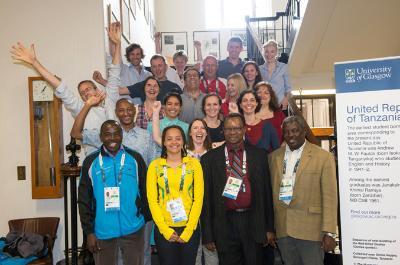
(111, 199)
(232, 188)
(286, 190)
(177, 210)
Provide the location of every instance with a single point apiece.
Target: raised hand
(157, 35)
(156, 107)
(233, 107)
(98, 77)
(95, 100)
(114, 32)
(21, 53)
(197, 44)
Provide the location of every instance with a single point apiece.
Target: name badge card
(232, 188)
(177, 210)
(286, 190)
(111, 199)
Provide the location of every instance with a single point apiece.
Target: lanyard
(182, 178)
(295, 166)
(103, 175)
(205, 84)
(228, 165)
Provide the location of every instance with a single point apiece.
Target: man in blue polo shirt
(233, 63)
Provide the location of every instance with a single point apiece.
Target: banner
(368, 137)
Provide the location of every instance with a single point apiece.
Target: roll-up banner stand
(368, 137)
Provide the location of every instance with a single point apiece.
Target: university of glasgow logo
(350, 75)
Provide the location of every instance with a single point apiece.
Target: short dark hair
(87, 81)
(236, 39)
(164, 133)
(112, 123)
(234, 115)
(185, 73)
(132, 47)
(273, 102)
(203, 102)
(240, 98)
(172, 94)
(258, 76)
(207, 141)
(295, 119)
(151, 78)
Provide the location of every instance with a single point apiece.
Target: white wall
(189, 16)
(69, 39)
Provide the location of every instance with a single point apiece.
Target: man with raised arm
(86, 88)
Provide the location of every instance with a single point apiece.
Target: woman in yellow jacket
(175, 190)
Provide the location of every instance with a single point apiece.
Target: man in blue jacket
(112, 200)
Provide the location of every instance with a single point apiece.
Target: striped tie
(237, 166)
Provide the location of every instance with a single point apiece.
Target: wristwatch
(331, 234)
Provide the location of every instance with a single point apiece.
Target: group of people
(216, 166)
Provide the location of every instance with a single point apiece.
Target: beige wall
(69, 39)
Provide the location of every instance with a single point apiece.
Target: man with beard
(112, 200)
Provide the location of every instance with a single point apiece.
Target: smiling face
(151, 89)
(172, 107)
(264, 95)
(233, 89)
(86, 90)
(234, 49)
(293, 135)
(249, 103)
(192, 79)
(125, 112)
(270, 53)
(250, 73)
(212, 106)
(180, 64)
(234, 131)
(210, 67)
(111, 137)
(173, 141)
(135, 56)
(198, 132)
(158, 68)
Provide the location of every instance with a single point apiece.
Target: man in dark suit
(237, 217)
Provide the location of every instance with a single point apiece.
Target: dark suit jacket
(213, 217)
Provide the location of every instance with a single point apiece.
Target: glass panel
(43, 144)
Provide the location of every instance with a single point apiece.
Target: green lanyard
(182, 178)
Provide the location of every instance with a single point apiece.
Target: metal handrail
(281, 30)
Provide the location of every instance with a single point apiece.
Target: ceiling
(342, 30)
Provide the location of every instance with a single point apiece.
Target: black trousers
(173, 253)
(239, 247)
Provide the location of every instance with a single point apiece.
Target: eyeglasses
(233, 129)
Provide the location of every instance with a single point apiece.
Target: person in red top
(270, 109)
(210, 83)
(236, 84)
(237, 217)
